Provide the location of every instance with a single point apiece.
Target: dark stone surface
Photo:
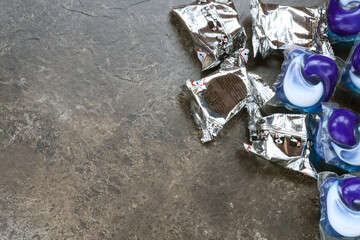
(97, 143)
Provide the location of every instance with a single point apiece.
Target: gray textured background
(97, 143)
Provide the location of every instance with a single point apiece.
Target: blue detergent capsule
(306, 80)
(337, 139)
(340, 207)
(351, 72)
(343, 20)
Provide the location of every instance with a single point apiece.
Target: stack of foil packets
(317, 138)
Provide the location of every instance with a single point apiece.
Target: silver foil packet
(280, 138)
(276, 25)
(215, 29)
(215, 99)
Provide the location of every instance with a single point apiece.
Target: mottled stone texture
(97, 143)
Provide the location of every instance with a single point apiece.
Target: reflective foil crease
(280, 138)
(215, 29)
(276, 25)
(215, 99)
(261, 92)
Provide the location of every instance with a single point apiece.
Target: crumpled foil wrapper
(262, 93)
(280, 138)
(215, 99)
(215, 29)
(276, 25)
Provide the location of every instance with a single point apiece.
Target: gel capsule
(340, 203)
(351, 72)
(344, 19)
(306, 80)
(337, 139)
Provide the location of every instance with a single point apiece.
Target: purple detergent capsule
(340, 207)
(337, 139)
(344, 19)
(306, 80)
(351, 72)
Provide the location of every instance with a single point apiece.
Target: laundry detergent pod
(343, 20)
(337, 139)
(340, 208)
(306, 80)
(350, 75)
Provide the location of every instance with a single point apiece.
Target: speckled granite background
(96, 140)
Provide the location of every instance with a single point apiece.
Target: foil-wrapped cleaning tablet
(275, 26)
(215, 29)
(215, 99)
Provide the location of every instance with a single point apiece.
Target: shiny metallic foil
(215, 29)
(215, 99)
(261, 92)
(276, 25)
(280, 138)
